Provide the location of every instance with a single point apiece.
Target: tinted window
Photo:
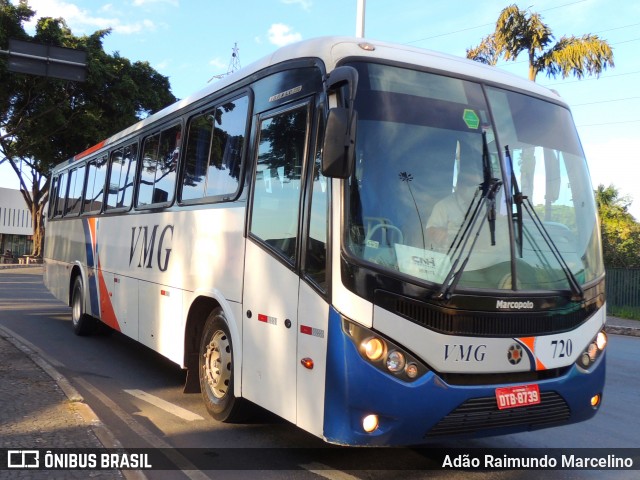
(53, 196)
(121, 180)
(214, 151)
(62, 195)
(95, 185)
(76, 185)
(316, 255)
(159, 162)
(277, 184)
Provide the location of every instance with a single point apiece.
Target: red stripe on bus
(90, 150)
(107, 312)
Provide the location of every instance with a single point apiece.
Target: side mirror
(338, 153)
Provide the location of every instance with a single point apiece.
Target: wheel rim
(217, 364)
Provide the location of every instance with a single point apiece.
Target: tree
(45, 121)
(620, 231)
(520, 31)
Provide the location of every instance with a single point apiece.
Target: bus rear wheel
(215, 367)
(83, 324)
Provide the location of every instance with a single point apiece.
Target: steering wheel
(387, 227)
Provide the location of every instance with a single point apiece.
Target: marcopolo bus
(380, 244)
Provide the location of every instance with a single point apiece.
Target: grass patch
(632, 313)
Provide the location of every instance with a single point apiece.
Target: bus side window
(95, 185)
(115, 173)
(53, 196)
(76, 186)
(122, 176)
(317, 236)
(223, 176)
(62, 195)
(213, 156)
(148, 170)
(197, 157)
(127, 176)
(159, 162)
(276, 199)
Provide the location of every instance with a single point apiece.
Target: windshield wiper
(490, 187)
(487, 183)
(519, 199)
(576, 289)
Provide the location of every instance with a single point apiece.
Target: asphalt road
(138, 395)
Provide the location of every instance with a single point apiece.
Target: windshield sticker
(471, 118)
(425, 264)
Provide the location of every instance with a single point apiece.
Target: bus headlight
(373, 348)
(383, 353)
(593, 350)
(395, 361)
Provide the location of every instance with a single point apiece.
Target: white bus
(381, 244)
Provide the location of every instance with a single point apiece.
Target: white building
(16, 225)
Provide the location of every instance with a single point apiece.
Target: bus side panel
(124, 301)
(151, 263)
(313, 320)
(68, 243)
(162, 322)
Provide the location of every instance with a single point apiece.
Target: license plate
(521, 396)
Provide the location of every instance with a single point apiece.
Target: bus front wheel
(83, 324)
(215, 368)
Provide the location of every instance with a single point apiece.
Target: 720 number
(562, 348)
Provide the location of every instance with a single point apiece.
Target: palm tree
(520, 31)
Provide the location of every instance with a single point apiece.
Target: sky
(191, 41)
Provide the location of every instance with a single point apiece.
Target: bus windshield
(480, 183)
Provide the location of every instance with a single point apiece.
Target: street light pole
(360, 18)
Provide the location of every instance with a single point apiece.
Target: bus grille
(479, 414)
(483, 324)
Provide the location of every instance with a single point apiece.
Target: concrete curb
(102, 433)
(618, 330)
(7, 266)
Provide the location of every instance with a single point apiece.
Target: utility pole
(360, 11)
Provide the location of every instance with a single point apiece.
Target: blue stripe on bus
(92, 279)
(407, 411)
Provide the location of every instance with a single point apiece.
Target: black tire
(215, 369)
(83, 323)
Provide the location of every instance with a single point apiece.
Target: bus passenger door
(271, 280)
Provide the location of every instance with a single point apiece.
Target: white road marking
(326, 472)
(166, 406)
(188, 469)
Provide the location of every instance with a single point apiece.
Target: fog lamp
(585, 359)
(370, 423)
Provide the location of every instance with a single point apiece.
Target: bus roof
(331, 51)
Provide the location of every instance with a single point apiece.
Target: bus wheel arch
(198, 314)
